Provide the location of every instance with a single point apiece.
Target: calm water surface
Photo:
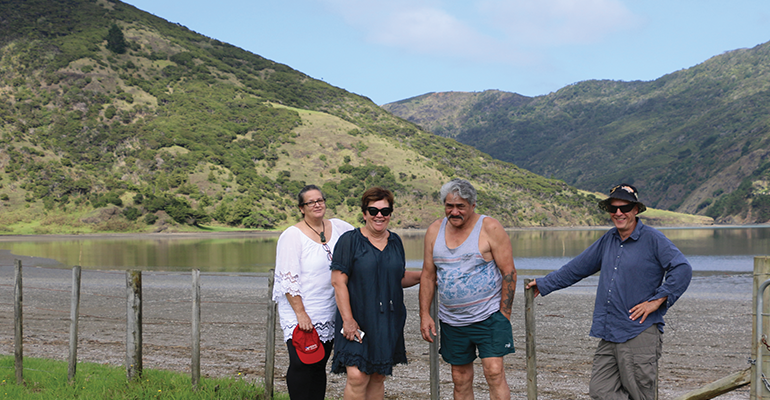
(729, 249)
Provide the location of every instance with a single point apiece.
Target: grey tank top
(469, 287)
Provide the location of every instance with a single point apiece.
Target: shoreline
(276, 233)
(138, 235)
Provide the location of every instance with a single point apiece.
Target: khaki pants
(623, 371)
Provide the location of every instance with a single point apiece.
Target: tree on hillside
(115, 40)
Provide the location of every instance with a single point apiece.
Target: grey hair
(459, 187)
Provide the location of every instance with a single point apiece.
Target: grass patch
(671, 218)
(47, 379)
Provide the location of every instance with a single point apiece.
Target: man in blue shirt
(642, 275)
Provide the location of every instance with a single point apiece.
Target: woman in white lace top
(303, 288)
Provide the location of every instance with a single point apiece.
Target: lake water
(712, 249)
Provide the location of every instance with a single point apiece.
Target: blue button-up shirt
(646, 266)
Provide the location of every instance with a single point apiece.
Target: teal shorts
(493, 337)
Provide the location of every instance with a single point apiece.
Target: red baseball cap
(309, 347)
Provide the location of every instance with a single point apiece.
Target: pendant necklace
(323, 230)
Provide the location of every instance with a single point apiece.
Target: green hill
(116, 120)
(693, 141)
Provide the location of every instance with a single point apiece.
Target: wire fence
(233, 336)
(234, 319)
(232, 322)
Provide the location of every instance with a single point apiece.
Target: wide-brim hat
(310, 350)
(625, 192)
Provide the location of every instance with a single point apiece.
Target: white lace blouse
(302, 269)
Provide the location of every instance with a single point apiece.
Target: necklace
(323, 230)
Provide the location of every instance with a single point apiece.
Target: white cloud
(510, 31)
(558, 22)
(421, 28)
(417, 26)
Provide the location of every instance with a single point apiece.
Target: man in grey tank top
(468, 261)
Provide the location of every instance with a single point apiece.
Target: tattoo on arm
(509, 289)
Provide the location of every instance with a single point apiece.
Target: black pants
(307, 381)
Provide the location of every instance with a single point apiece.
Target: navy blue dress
(377, 303)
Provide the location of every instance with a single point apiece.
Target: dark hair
(301, 195)
(375, 193)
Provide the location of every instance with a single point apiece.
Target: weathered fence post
(196, 327)
(133, 324)
(74, 315)
(761, 274)
(18, 317)
(272, 307)
(435, 377)
(529, 322)
(719, 387)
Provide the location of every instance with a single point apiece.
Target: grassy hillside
(116, 120)
(688, 140)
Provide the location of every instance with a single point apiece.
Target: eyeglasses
(328, 251)
(385, 211)
(313, 203)
(624, 209)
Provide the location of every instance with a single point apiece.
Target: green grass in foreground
(47, 379)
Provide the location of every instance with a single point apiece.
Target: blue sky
(390, 50)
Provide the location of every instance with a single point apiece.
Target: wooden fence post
(133, 324)
(529, 322)
(435, 377)
(196, 327)
(18, 317)
(270, 339)
(761, 274)
(74, 315)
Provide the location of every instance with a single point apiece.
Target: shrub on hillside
(116, 42)
(131, 213)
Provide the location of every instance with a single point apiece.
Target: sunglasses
(385, 211)
(328, 251)
(624, 209)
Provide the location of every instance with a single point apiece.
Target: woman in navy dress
(368, 275)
